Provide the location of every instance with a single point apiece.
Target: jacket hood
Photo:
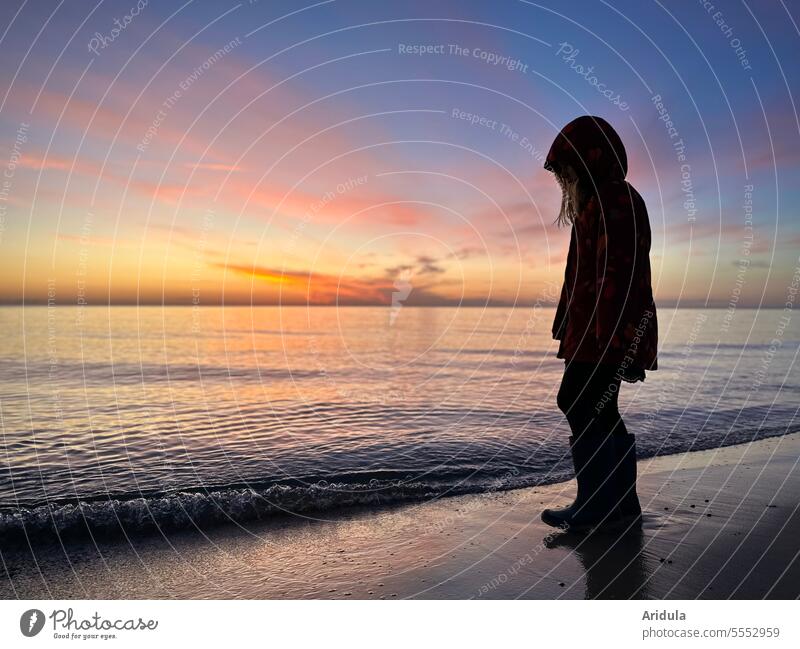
(591, 146)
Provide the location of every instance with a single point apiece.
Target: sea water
(171, 416)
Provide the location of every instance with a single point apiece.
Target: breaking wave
(131, 515)
(134, 514)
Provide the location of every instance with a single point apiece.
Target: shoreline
(116, 516)
(718, 523)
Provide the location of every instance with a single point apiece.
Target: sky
(339, 152)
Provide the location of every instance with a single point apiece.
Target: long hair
(573, 197)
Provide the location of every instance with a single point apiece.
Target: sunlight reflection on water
(140, 399)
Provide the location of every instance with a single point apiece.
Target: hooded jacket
(606, 313)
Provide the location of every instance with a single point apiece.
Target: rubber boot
(594, 458)
(554, 515)
(625, 479)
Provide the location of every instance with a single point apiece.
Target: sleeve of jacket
(560, 321)
(616, 263)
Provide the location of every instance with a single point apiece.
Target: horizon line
(470, 305)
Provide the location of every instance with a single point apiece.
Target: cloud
(429, 265)
(317, 288)
(215, 166)
(752, 263)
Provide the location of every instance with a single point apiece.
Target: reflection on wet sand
(615, 564)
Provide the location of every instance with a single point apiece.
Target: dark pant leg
(609, 419)
(572, 400)
(588, 397)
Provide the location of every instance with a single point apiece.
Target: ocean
(171, 417)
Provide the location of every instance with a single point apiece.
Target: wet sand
(719, 524)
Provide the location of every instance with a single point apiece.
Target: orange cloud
(214, 166)
(319, 288)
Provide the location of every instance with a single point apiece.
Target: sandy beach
(719, 524)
